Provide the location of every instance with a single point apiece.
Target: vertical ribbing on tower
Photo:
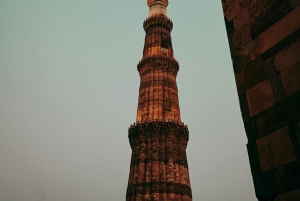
(158, 139)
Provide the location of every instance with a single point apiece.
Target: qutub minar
(158, 139)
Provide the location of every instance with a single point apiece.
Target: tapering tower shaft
(158, 139)
(158, 95)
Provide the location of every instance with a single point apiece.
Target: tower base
(159, 169)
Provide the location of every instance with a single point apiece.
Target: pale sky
(69, 92)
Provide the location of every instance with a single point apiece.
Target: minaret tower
(158, 139)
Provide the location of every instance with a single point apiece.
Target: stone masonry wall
(264, 40)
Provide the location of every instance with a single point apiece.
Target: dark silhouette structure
(158, 139)
(264, 40)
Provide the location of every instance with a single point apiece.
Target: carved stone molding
(166, 2)
(158, 62)
(158, 20)
(173, 129)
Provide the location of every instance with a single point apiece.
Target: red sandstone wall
(264, 40)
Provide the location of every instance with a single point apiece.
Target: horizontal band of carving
(158, 20)
(156, 35)
(155, 129)
(147, 69)
(165, 2)
(159, 187)
(135, 162)
(154, 44)
(167, 83)
(158, 102)
(158, 62)
(158, 38)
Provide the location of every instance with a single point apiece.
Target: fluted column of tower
(158, 139)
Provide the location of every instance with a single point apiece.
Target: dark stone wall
(264, 40)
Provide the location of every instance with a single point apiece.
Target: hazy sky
(69, 92)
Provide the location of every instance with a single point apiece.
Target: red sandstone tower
(158, 139)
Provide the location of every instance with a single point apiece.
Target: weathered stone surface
(264, 37)
(231, 8)
(236, 40)
(287, 177)
(281, 179)
(257, 7)
(277, 87)
(285, 43)
(242, 19)
(245, 50)
(288, 57)
(269, 69)
(270, 120)
(260, 97)
(277, 9)
(275, 80)
(278, 32)
(250, 75)
(241, 63)
(289, 196)
(275, 149)
(246, 34)
(291, 80)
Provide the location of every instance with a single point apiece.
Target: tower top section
(157, 7)
(164, 2)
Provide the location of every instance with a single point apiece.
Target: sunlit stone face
(157, 9)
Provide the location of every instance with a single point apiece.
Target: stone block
(250, 75)
(242, 19)
(236, 40)
(246, 34)
(288, 57)
(285, 43)
(241, 62)
(260, 97)
(275, 149)
(231, 9)
(291, 80)
(244, 50)
(269, 69)
(288, 179)
(277, 10)
(270, 120)
(277, 87)
(279, 31)
(289, 196)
